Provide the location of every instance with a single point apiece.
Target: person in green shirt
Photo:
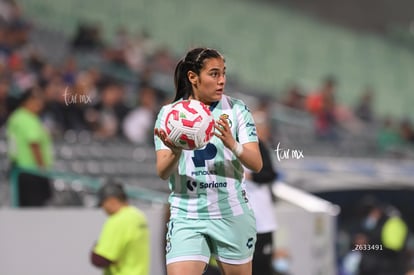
(30, 148)
(123, 247)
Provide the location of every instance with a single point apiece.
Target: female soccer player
(209, 210)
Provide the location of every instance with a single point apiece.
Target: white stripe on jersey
(233, 199)
(213, 206)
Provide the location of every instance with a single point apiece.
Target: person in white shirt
(258, 187)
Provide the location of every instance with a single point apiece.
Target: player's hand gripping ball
(189, 124)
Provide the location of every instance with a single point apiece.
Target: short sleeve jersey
(125, 241)
(208, 183)
(23, 129)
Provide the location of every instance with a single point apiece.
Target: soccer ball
(189, 124)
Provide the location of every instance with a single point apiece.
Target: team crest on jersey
(226, 117)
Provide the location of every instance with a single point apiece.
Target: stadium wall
(59, 241)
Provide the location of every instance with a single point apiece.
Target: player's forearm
(99, 261)
(251, 157)
(167, 162)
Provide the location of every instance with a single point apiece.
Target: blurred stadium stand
(82, 164)
(285, 45)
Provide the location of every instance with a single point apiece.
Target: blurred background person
(124, 244)
(410, 272)
(352, 259)
(30, 147)
(407, 132)
(321, 104)
(388, 137)
(364, 108)
(386, 234)
(294, 97)
(281, 261)
(7, 102)
(139, 122)
(106, 116)
(259, 191)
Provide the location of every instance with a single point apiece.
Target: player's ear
(192, 77)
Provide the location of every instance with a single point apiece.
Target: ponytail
(182, 85)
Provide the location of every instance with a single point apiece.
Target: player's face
(108, 205)
(208, 86)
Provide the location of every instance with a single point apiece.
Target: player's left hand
(223, 132)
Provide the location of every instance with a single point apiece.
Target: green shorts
(230, 240)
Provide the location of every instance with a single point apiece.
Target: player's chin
(217, 96)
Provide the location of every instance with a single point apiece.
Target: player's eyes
(217, 74)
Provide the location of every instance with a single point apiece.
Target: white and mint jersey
(208, 183)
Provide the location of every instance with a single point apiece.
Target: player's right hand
(164, 138)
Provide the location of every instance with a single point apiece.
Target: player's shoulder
(170, 105)
(235, 103)
(164, 109)
(166, 106)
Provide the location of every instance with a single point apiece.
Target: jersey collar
(213, 105)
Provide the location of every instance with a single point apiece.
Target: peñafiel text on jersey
(203, 173)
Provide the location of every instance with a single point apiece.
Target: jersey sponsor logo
(201, 155)
(213, 184)
(192, 185)
(244, 195)
(249, 124)
(203, 173)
